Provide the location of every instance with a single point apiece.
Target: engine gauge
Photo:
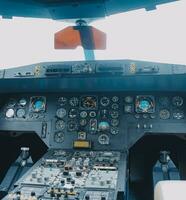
(58, 137)
(20, 113)
(11, 103)
(72, 126)
(115, 99)
(164, 114)
(104, 101)
(62, 101)
(114, 122)
(177, 101)
(73, 113)
(114, 130)
(145, 104)
(129, 99)
(60, 125)
(61, 113)
(38, 104)
(177, 114)
(10, 113)
(164, 101)
(89, 103)
(103, 139)
(22, 102)
(74, 101)
(114, 114)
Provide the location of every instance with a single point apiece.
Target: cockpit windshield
(157, 35)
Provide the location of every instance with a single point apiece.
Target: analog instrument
(22, 102)
(104, 101)
(177, 101)
(72, 125)
(62, 101)
(114, 122)
(103, 139)
(114, 114)
(115, 99)
(20, 113)
(145, 104)
(60, 125)
(115, 106)
(11, 103)
(164, 114)
(129, 99)
(89, 102)
(59, 137)
(177, 114)
(61, 113)
(164, 101)
(10, 113)
(114, 130)
(73, 113)
(38, 104)
(74, 101)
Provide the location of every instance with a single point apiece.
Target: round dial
(114, 114)
(114, 122)
(164, 101)
(115, 106)
(115, 99)
(164, 114)
(12, 102)
(73, 113)
(61, 113)
(38, 104)
(60, 125)
(62, 101)
(177, 101)
(59, 137)
(178, 114)
(10, 113)
(114, 131)
(72, 126)
(129, 99)
(20, 113)
(74, 101)
(22, 102)
(89, 102)
(104, 101)
(103, 139)
(83, 114)
(145, 104)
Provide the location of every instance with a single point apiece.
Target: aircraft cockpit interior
(90, 129)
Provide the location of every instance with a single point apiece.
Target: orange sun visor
(88, 37)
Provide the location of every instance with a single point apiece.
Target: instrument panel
(93, 120)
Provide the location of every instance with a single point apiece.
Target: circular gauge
(164, 114)
(128, 108)
(74, 101)
(89, 102)
(114, 122)
(61, 113)
(10, 113)
(60, 125)
(62, 101)
(178, 114)
(92, 114)
(129, 99)
(72, 126)
(58, 137)
(83, 114)
(114, 114)
(115, 106)
(177, 101)
(103, 126)
(12, 102)
(22, 102)
(38, 104)
(104, 101)
(20, 113)
(73, 113)
(115, 99)
(164, 101)
(83, 122)
(114, 131)
(103, 139)
(145, 104)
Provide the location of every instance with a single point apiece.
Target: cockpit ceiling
(72, 9)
